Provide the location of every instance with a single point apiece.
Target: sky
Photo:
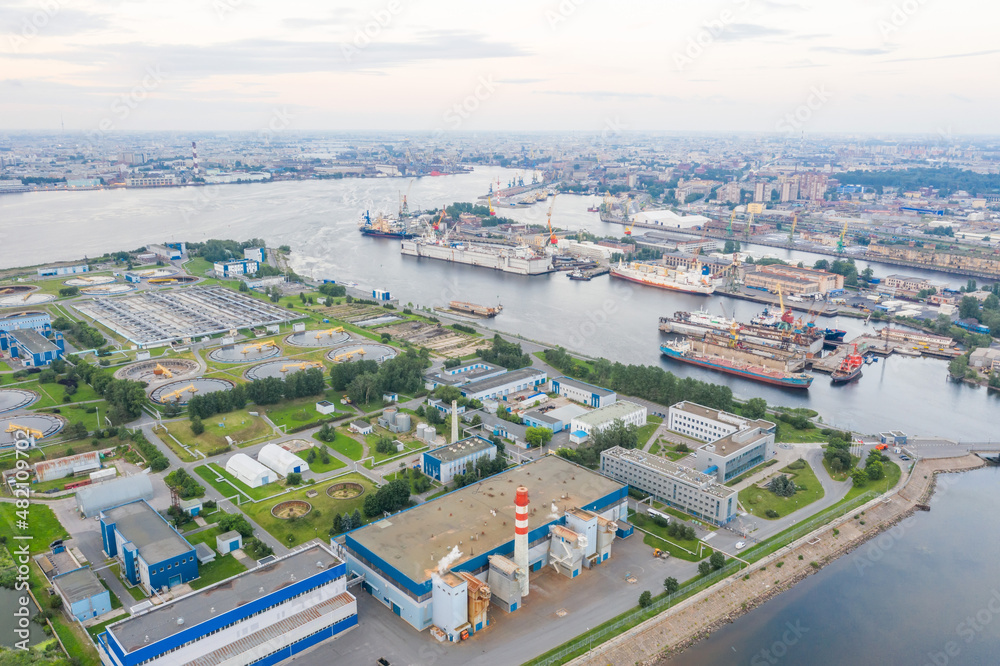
(874, 66)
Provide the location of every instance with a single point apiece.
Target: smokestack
(454, 421)
(194, 157)
(521, 535)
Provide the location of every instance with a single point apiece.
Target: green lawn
(347, 446)
(379, 458)
(677, 513)
(676, 547)
(751, 472)
(197, 266)
(758, 500)
(206, 536)
(892, 474)
(315, 524)
(646, 431)
(654, 448)
(39, 521)
(317, 466)
(4, 367)
(409, 477)
(220, 568)
(294, 413)
(840, 476)
(242, 427)
(231, 485)
(786, 433)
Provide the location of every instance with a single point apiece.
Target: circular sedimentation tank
(280, 368)
(11, 399)
(291, 509)
(345, 490)
(147, 371)
(367, 351)
(89, 281)
(22, 299)
(156, 273)
(318, 338)
(175, 391)
(108, 289)
(47, 424)
(22, 313)
(243, 352)
(15, 289)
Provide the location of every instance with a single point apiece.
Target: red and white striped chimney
(521, 535)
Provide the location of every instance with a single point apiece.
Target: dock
(889, 341)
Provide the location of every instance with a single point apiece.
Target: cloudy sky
(917, 66)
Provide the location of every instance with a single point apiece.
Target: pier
(889, 341)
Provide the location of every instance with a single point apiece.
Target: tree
(371, 506)
(755, 408)
(356, 517)
(347, 523)
(859, 477)
(197, 427)
(968, 308)
(717, 560)
(704, 568)
(338, 524)
(237, 522)
(875, 470)
(293, 479)
(646, 599)
(671, 585)
(781, 486)
(385, 446)
(538, 437)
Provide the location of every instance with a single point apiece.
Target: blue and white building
(64, 270)
(40, 322)
(257, 254)
(31, 347)
(588, 394)
(262, 616)
(585, 425)
(462, 374)
(500, 386)
(556, 420)
(152, 554)
(82, 593)
(734, 444)
(229, 541)
(231, 269)
(444, 462)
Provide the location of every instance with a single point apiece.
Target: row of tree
(390, 498)
(588, 454)
(507, 354)
(368, 381)
(267, 391)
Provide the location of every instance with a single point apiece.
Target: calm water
(930, 595)
(603, 317)
(8, 623)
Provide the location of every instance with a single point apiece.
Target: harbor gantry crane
(258, 346)
(329, 331)
(347, 356)
(840, 241)
(552, 236)
(440, 220)
(176, 395)
(30, 432)
(404, 207)
(160, 370)
(301, 366)
(791, 234)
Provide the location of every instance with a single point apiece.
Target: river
(604, 317)
(925, 593)
(9, 602)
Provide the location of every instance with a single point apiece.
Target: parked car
(740, 545)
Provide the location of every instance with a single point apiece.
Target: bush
(646, 599)
(781, 486)
(197, 427)
(771, 513)
(704, 568)
(293, 479)
(717, 560)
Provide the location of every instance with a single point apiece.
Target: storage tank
(403, 422)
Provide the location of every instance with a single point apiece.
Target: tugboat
(578, 275)
(849, 369)
(382, 227)
(593, 209)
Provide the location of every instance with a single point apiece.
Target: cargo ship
(664, 277)
(682, 351)
(701, 323)
(383, 227)
(521, 260)
(478, 310)
(849, 369)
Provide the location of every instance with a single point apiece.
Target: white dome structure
(249, 471)
(281, 460)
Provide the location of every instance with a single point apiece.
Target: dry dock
(889, 341)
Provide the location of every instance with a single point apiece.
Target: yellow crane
(329, 331)
(840, 241)
(301, 366)
(258, 346)
(31, 432)
(347, 356)
(160, 370)
(176, 395)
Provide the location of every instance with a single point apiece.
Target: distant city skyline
(745, 65)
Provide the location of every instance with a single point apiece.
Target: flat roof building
(261, 616)
(152, 553)
(628, 412)
(556, 420)
(675, 485)
(31, 347)
(82, 593)
(59, 468)
(588, 394)
(500, 386)
(462, 374)
(39, 321)
(235, 268)
(735, 444)
(444, 462)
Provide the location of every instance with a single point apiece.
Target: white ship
(664, 277)
(521, 260)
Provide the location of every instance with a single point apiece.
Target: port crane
(791, 234)
(347, 356)
(438, 222)
(552, 236)
(489, 202)
(840, 241)
(329, 331)
(160, 370)
(301, 366)
(258, 346)
(176, 395)
(30, 432)
(404, 207)
(729, 229)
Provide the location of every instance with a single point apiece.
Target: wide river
(603, 317)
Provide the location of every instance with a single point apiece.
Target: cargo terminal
(440, 564)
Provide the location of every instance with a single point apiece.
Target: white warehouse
(282, 461)
(585, 425)
(249, 471)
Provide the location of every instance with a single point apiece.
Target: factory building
(257, 254)
(444, 462)
(262, 616)
(82, 593)
(587, 424)
(462, 374)
(249, 471)
(91, 500)
(38, 321)
(677, 486)
(588, 394)
(232, 269)
(793, 280)
(497, 388)
(556, 420)
(63, 270)
(499, 427)
(408, 559)
(282, 461)
(31, 347)
(735, 444)
(152, 553)
(59, 468)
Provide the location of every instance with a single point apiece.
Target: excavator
(160, 370)
(301, 366)
(176, 395)
(258, 346)
(347, 356)
(30, 432)
(329, 331)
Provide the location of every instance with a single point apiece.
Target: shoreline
(657, 640)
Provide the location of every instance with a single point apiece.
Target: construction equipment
(404, 207)
(301, 366)
(160, 370)
(258, 346)
(729, 229)
(662, 554)
(552, 237)
(329, 331)
(840, 241)
(347, 356)
(791, 234)
(440, 220)
(30, 432)
(176, 395)
(489, 203)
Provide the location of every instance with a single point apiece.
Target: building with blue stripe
(31, 347)
(39, 321)
(588, 394)
(262, 616)
(444, 462)
(153, 555)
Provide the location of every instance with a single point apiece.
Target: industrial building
(444, 462)
(229, 541)
(59, 468)
(675, 485)
(394, 421)
(63, 270)
(282, 461)
(462, 374)
(31, 347)
(499, 427)
(236, 268)
(735, 444)
(556, 420)
(38, 321)
(91, 500)
(152, 554)
(249, 471)
(707, 424)
(257, 254)
(500, 386)
(488, 532)
(588, 394)
(793, 280)
(82, 593)
(587, 424)
(262, 616)
(157, 318)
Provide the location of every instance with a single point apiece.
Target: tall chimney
(454, 421)
(521, 535)
(194, 157)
